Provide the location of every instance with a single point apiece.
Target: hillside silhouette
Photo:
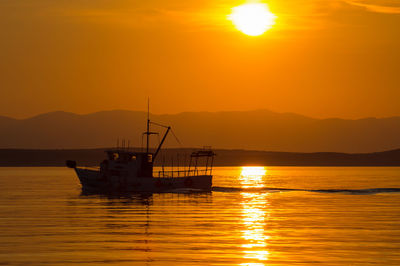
(169, 157)
(253, 130)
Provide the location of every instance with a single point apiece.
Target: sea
(255, 215)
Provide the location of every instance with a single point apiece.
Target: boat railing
(183, 173)
(195, 167)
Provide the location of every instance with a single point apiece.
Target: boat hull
(94, 181)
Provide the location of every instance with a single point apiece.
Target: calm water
(254, 216)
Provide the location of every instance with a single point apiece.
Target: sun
(252, 19)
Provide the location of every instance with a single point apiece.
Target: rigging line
(176, 138)
(157, 124)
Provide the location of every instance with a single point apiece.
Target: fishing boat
(124, 170)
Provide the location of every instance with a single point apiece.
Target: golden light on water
(252, 176)
(253, 171)
(254, 216)
(252, 19)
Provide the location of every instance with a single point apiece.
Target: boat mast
(148, 133)
(148, 125)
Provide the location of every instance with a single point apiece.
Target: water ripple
(368, 191)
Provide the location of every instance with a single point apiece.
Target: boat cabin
(126, 163)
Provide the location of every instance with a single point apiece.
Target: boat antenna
(148, 125)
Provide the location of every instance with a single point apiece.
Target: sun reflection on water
(252, 176)
(254, 216)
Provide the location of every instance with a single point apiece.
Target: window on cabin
(133, 158)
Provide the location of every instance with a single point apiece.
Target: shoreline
(92, 157)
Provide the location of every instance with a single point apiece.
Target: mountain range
(252, 130)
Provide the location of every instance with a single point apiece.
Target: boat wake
(368, 191)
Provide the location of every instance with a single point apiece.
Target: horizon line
(210, 112)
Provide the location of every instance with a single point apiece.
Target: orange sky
(323, 58)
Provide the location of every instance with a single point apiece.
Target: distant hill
(92, 157)
(254, 130)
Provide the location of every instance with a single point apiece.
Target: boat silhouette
(128, 171)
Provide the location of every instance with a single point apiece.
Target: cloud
(144, 17)
(379, 6)
(193, 15)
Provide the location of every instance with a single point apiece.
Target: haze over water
(254, 216)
